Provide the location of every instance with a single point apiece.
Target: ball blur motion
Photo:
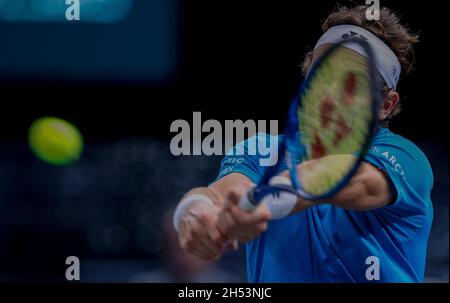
(55, 141)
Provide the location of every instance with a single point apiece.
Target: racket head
(333, 114)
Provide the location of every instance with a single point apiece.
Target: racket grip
(246, 202)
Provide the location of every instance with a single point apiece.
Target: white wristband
(282, 204)
(185, 203)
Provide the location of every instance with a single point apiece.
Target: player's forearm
(220, 189)
(368, 189)
(224, 185)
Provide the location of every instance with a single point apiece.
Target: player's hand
(199, 235)
(239, 224)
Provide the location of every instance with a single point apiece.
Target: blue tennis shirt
(326, 243)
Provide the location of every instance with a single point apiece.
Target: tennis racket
(330, 125)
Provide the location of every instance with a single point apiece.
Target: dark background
(124, 83)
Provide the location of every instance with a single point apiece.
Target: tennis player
(374, 230)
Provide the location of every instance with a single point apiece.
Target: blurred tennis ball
(55, 140)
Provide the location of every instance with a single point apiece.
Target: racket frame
(290, 146)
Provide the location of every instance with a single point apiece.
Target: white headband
(386, 61)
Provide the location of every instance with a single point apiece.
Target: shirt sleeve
(411, 180)
(250, 157)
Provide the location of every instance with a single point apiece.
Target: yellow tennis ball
(55, 141)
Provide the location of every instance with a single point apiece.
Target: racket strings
(334, 120)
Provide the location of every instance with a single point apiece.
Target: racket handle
(246, 202)
(280, 202)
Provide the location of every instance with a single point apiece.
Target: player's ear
(391, 99)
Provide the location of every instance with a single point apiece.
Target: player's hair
(389, 29)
